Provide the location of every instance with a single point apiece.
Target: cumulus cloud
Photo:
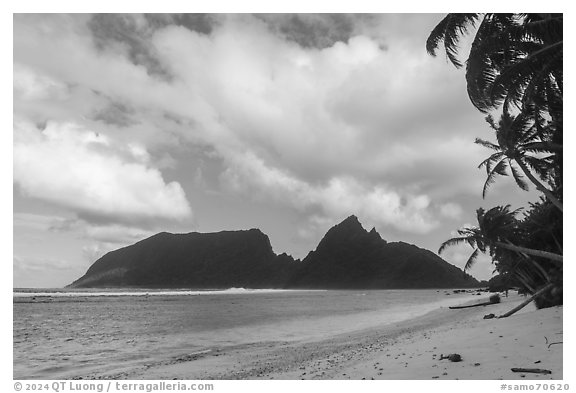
(338, 197)
(80, 170)
(352, 108)
(29, 85)
(315, 111)
(326, 115)
(451, 210)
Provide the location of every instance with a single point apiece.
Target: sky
(125, 125)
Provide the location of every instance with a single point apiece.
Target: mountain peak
(352, 221)
(350, 257)
(352, 217)
(350, 226)
(343, 233)
(375, 235)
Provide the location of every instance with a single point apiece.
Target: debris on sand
(453, 357)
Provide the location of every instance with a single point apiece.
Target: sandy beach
(410, 350)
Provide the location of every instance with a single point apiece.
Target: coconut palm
(514, 58)
(542, 226)
(519, 142)
(495, 229)
(515, 62)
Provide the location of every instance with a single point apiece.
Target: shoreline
(407, 350)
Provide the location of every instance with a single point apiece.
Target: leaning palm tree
(495, 229)
(517, 150)
(514, 58)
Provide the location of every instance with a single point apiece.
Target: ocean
(62, 334)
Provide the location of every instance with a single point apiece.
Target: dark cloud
(200, 23)
(131, 32)
(312, 30)
(135, 30)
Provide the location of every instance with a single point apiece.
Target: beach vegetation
(514, 72)
(520, 149)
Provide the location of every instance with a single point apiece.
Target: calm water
(65, 334)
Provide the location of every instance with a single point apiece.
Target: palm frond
(489, 162)
(519, 178)
(487, 144)
(542, 147)
(449, 31)
(498, 223)
(452, 242)
(499, 169)
(538, 165)
(526, 72)
(490, 120)
(471, 260)
(487, 54)
(535, 89)
(511, 58)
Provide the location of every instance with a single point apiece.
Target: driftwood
(531, 370)
(494, 299)
(527, 301)
(471, 305)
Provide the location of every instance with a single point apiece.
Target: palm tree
(514, 58)
(542, 226)
(495, 229)
(518, 139)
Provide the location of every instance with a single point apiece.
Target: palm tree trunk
(536, 264)
(557, 243)
(524, 281)
(539, 185)
(525, 303)
(530, 251)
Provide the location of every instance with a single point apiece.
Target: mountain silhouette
(348, 257)
(193, 260)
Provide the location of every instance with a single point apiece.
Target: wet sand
(409, 350)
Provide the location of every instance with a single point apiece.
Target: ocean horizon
(137, 291)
